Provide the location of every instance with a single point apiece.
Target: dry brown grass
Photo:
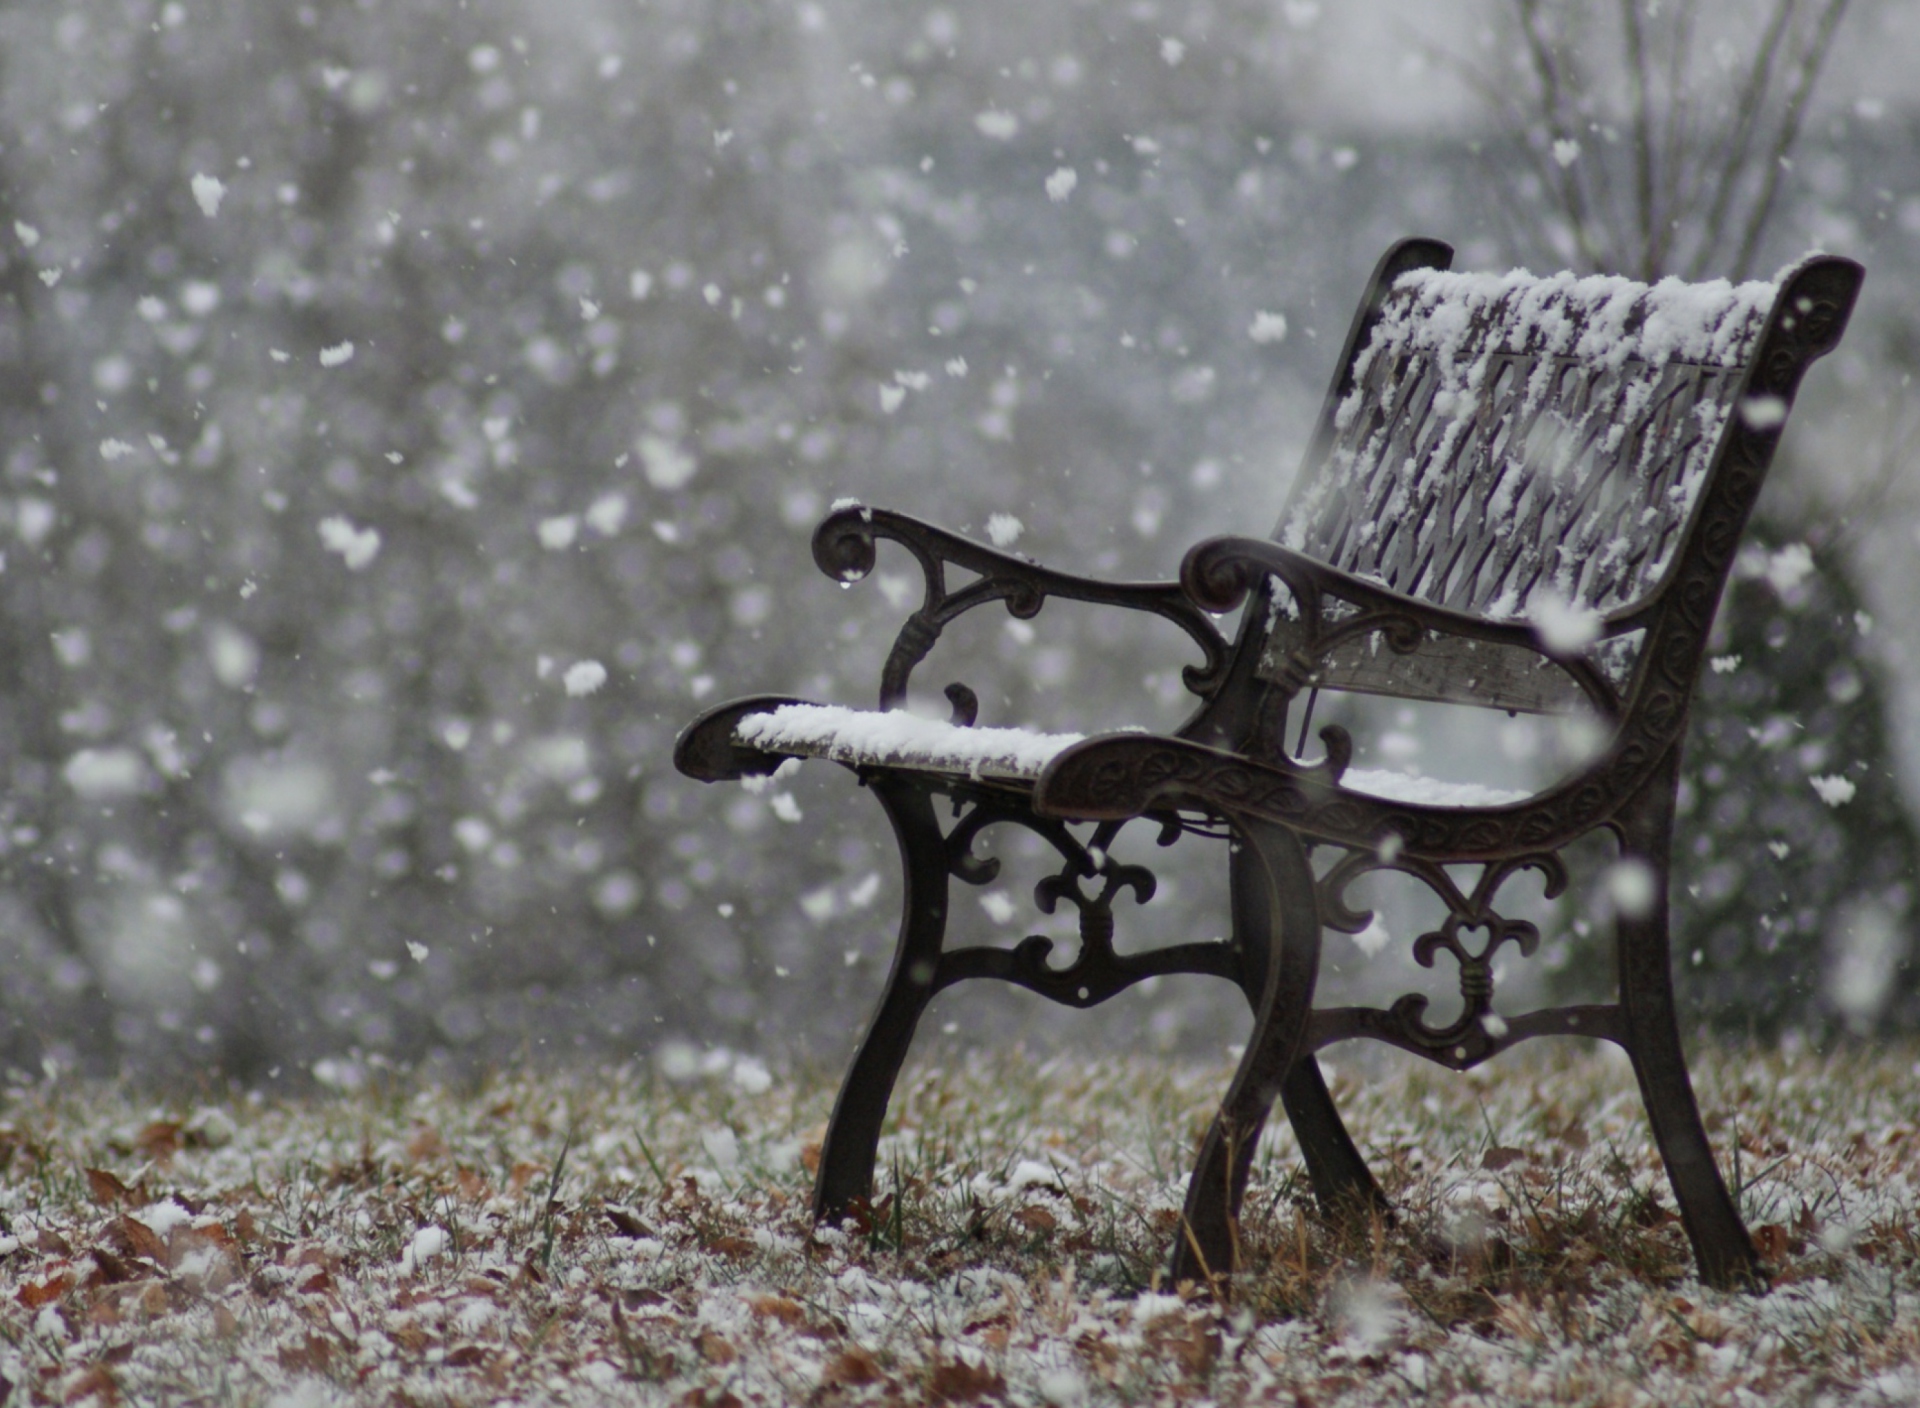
(613, 1236)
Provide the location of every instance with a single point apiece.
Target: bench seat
(897, 739)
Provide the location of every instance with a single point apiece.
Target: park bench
(1523, 494)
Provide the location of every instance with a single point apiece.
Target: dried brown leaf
(787, 1312)
(850, 1367)
(1036, 1219)
(160, 1141)
(625, 1223)
(96, 1384)
(106, 1189)
(132, 1237)
(34, 1294)
(956, 1381)
(312, 1357)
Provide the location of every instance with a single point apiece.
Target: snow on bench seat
(899, 739)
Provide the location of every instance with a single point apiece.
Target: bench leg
(1650, 1031)
(853, 1132)
(1284, 951)
(1342, 1184)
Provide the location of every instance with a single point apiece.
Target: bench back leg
(1280, 944)
(1650, 1031)
(853, 1132)
(1343, 1185)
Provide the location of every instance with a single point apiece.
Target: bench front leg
(1342, 1183)
(853, 1132)
(1284, 950)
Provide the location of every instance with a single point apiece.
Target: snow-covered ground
(640, 1235)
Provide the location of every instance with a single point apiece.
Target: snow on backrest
(1511, 438)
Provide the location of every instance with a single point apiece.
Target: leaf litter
(630, 1236)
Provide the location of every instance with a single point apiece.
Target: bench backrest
(1509, 447)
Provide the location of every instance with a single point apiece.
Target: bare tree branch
(1679, 127)
(1727, 161)
(1546, 68)
(1804, 74)
(1642, 119)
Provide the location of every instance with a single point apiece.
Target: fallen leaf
(1771, 1241)
(35, 1294)
(716, 1350)
(106, 1189)
(625, 1223)
(1497, 1158)
(95, 1383)
(787, 1312)
(109, 1270)
(956, 1381)
(132, 1237)
(160, 1141)
(850, 1367)
(1036, 1219)
(309, 1358)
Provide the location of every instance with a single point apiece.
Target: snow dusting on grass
(642, 1237)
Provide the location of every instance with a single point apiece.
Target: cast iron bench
(1523, 494)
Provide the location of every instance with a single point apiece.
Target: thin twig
(1642, 120)
(1729, 165)
(1805, 73)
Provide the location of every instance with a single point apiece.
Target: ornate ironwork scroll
(1476, 1033)
(1090, 880)
(843, 548)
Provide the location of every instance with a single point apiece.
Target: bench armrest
(843, 548)
(1218, 573)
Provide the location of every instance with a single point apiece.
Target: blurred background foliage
(371, 372)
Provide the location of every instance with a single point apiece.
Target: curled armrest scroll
(1219, 573)
(843, 548)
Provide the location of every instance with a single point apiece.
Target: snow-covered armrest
(895, 738)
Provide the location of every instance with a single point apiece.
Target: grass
(615, 1236)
